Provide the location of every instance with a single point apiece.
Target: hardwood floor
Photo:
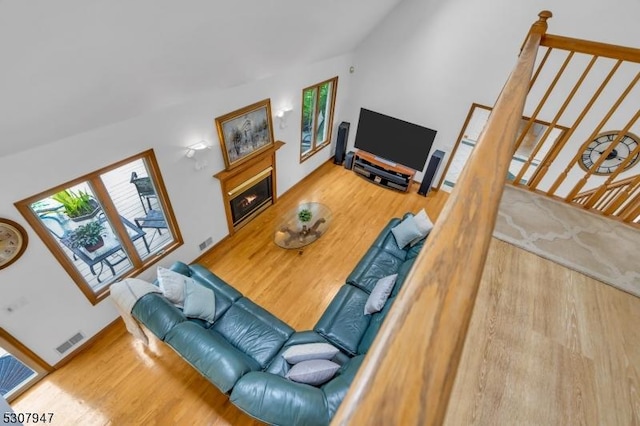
(546, 345)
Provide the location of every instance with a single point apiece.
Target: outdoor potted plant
(78, 207)
(88, 236)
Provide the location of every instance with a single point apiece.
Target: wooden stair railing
(618, 199)
(604, 193)
(557, 167)
(408, 374)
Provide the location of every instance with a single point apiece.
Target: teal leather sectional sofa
(241, 352)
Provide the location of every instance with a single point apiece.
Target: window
(107, 225)
(19, 367)
(318, 102)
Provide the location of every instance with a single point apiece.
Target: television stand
(382, 172)
(385, 161)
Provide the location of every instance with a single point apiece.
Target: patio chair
(155, 220)
(54, 225)
(145, 190)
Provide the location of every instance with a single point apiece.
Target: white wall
(430, 60)
(50, 307)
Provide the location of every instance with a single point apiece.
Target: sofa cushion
(376, 263)
(405, 268)
(157, 314)
(208, 278)
(406, 231)
(210, 353)
(414, 250)
(313, 372)
(307, 351)
(199, 302)
(389, 244)
(343, 322)
(280, 366)
(181, 268)
(424, 224)
(380, 294)
(224, 293)
(253, 330)
(173, 285)
(374, 326)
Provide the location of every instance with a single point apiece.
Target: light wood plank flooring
(546, 345)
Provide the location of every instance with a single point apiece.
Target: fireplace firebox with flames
(250, 198)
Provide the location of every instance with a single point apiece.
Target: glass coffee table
(302, 225)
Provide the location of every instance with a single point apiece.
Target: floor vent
(70, 343)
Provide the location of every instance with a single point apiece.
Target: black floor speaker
(430, 173)
(341, 142)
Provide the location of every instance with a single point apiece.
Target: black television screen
(395, 140)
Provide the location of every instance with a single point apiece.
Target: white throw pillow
(406, 231)
(424, 224)
(313, 372)
(172, 285)
(380, 294)
(307, 351)
(199, 302)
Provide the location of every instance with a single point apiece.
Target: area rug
(601, 248)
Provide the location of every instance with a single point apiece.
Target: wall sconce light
(282, 116)
(193, 150)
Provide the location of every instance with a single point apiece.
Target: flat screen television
(395, 140)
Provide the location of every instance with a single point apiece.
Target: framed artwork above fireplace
(245, 133)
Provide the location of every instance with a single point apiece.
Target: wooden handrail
(408, 374)
(623, 196)
(591, 48)
(607, 187)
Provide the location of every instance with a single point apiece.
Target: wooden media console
(382, 172)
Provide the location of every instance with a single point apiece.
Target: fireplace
(249, 188)
(251, 197)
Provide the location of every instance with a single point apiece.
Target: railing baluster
(603, 156)
(553, 123)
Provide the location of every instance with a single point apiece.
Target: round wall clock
(628, 143)
(13, 242)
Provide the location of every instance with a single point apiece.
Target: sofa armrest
(157, 314)
(276, 400)
(181, 268)
(336, 389)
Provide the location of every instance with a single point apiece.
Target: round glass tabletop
(302, 225)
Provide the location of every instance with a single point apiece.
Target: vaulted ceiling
(68, 66)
